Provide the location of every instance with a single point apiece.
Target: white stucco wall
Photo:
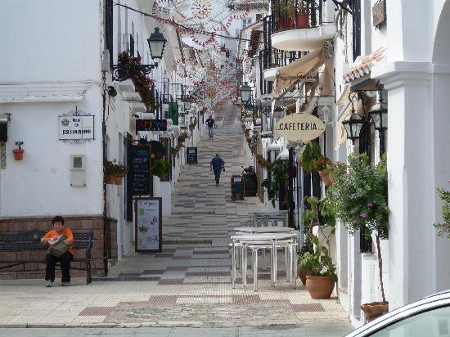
(53, 66)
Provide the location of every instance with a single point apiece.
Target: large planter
(325, 176)
(374, 310)
(319, 287)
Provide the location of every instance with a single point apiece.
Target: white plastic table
(262, 240)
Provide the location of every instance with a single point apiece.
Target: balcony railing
(272, 57)
(296, 14)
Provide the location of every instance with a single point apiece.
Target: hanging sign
(151, 124)
(300, 127)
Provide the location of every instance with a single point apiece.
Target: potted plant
(114, 172)
(320, 270)
(18, 153)
(321, 164)
(444, 228)
(360, 197)
(320, 215)
(279, 177)
(308, 155)
(160, 167)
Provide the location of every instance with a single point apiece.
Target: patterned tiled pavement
(188, 284)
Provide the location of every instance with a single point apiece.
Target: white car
(427, 317)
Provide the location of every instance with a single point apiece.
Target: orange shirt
(66, 232)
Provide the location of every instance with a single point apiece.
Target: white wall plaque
(76, 127)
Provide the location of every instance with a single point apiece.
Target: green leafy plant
(279, 175)
(360, 197)
(318, 263)
(444, 228)
(115, 168)
(308, 154)
(160, 167)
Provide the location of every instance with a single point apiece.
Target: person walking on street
(217, 165)
(210, 122)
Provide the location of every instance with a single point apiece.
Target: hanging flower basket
(110, 180)
(325, 176)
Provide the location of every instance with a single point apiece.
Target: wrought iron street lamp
(124, 71)
(245, 92)
(156, 43)
(353, 126)
(379, 115)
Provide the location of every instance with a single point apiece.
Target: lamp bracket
(122, 72)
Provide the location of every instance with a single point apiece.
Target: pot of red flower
(322, 164)
(18, 153)
(114, 172)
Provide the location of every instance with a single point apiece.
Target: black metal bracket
(122, 72)
(344, 4)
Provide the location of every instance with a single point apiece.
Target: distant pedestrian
(217, 165)
(210, 122)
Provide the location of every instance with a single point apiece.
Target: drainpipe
(105, 210)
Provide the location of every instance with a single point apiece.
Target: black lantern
(187, 103)
(379, 114)
(245, 93)
(353, 126)
(156, 43)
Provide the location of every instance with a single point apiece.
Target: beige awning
(300, 69)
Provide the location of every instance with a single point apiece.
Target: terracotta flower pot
(110, 180)
(325, 176)
(374, 310)
(18, 154)
(118, 179)
(319, 287)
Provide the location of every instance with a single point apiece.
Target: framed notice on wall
(148, 224)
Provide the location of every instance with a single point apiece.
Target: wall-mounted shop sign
(76, 126)
(300, 127)
(151, 124)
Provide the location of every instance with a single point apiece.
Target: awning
(297, 71)
(359, 74)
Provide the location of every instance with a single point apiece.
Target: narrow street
(188, 284)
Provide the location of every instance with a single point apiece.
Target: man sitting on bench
(59, 240)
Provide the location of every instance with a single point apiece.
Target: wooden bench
(31, 242)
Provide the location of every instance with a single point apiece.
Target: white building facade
(58, 69)
(403, 55)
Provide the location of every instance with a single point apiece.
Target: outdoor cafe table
(253, 230)
(264, 238)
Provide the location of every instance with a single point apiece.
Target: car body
(427, 317)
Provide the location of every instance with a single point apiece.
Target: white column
(411, 191)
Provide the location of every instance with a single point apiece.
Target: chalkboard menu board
(191, 155)
(139, 174)
(148, 224)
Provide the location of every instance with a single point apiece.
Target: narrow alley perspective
(188, 284)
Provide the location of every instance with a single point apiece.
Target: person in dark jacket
(210, 122)
(217, 165)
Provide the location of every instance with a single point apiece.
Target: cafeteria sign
(300, 127)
